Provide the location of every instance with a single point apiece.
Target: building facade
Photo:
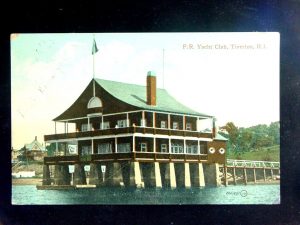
(134, 135)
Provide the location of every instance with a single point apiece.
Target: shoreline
(38, 181)
(26, 181)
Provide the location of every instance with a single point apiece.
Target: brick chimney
(151, 88)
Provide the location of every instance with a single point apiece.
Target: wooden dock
(247, 171)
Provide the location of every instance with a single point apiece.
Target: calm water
(250, 194)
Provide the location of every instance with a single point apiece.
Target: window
(143, 123)
(104, 148)
(163, 124)
(176, 148)
(122, 123)
(123, 147)
(163, 148)
(188, 126)
(175, 126)
(105, 125)
(192, 149)
(86, 150)
(143, 147)
(86, 127)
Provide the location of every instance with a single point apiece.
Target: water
(250, 194)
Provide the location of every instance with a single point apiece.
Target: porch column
(169, 121)
(153, 119)
(154, 144)
(55, 127)
(184, 146)
(133, 143)
(116, 144)
(183, 123)
(170, 145)
(127, 120)
(198, 147)
(56, 145)
(93, 146)
(143, 119)
(102, 120)
(88, 126)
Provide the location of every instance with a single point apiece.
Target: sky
(232, 76)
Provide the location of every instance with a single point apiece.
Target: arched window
(94, 102)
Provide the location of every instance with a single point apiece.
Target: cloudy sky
(233, 76)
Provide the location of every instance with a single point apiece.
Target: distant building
(35, 151)
(14, 155)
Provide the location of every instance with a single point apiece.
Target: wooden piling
(245, 175)
(234, 175)
(225, 175)
(254, 175)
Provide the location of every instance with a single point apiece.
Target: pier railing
(250, 163)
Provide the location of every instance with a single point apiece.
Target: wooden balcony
(127, 130)
(139, 156)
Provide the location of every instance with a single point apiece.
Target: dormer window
(94, 102)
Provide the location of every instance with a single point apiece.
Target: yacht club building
(134, 135)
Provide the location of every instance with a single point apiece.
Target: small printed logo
(242, 193)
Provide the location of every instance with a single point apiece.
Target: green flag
(94, 49)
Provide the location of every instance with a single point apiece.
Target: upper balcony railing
(252, 164)
(129, 130)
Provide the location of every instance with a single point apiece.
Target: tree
(274, 131)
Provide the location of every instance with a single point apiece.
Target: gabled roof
(136, 95)
(35, 145)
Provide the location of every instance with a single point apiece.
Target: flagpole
(94, 92)
(163, 68)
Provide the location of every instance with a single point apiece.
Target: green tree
(274, 131)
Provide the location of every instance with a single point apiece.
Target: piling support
(170, 175)
(265, 175)
(157, 175)
(46, 175)
(254, 175)
(79, 175)
(61, 175)
(212, 175)
(94, 174)
(114, 174)
(198, 178)
(135, 175)
(187, 176)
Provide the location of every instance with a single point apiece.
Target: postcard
(145, 118)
